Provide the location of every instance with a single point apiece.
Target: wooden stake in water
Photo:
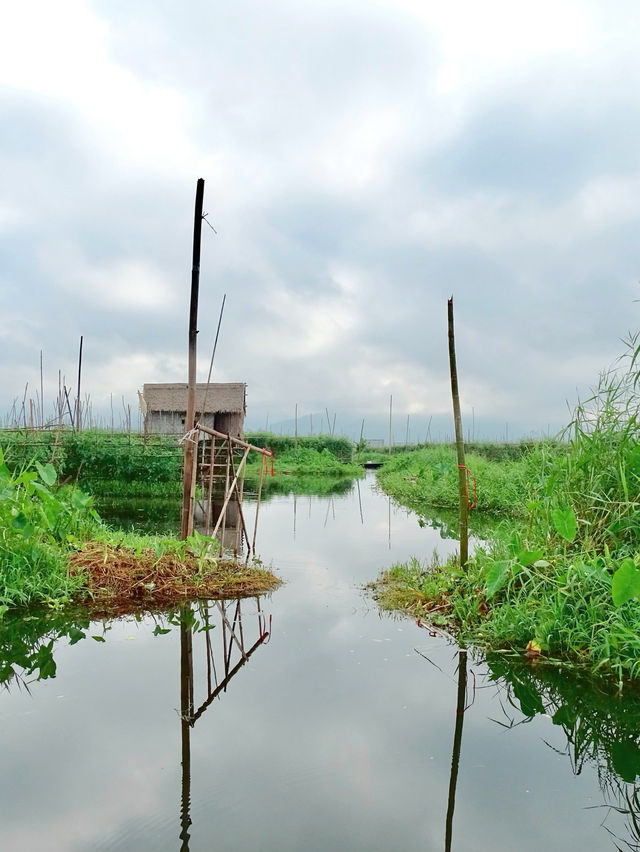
(462, 473)
(189, 444)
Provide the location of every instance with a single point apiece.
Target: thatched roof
(220, 397)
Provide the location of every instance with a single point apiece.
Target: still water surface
(336, 733)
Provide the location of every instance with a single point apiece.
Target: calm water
(337, 732)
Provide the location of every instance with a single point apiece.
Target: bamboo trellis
(220, 471)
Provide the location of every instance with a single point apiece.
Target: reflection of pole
(295, 514)
(360, 501)
(186, 712)
(457, 742)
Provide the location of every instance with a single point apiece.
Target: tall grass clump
(564, 578)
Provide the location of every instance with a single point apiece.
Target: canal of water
(306, 720)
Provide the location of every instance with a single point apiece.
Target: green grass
(340, 448)
(314, 459)
(99, 461)
(563, 570)
(428, 477)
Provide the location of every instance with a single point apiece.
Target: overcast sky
(364, 160)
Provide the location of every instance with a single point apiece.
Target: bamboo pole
(462, 473)
(78, 403)
(255, 526)
(237, 441)
(390, 416)
(41, 394)
(212, 461)
(457, 744)
(239, 488)
(189, 445)
(229, 493)
(223, 514)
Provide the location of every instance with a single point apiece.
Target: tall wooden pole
(189, 445)
(390, 419)
(78, 403)
(41, 394)
(462, 473)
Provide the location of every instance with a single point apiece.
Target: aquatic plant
(39, 525)
(564, 578)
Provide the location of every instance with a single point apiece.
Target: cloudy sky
(364, 160)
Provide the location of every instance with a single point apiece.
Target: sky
(363, 161)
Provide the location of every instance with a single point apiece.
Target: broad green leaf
(529, 698)
(75, 635)
(497, 576)
(160, 631)
(27, 478)
(21, 523)
(47, 473)
(625, 583)
(565, 715)
(44, 662)
(99, 638)
(43, 491)
(80, 500)
(625, 758)
(564, 520)
(528, 557)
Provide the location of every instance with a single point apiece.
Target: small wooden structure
(220, 406)
(219, 472)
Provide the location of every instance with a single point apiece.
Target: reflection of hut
(166, 407)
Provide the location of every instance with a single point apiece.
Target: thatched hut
(165, 407)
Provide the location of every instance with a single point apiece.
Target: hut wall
(230, 423)
(172, 422)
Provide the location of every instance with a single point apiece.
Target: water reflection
(232, 647)
(339, 737)
(601, 727)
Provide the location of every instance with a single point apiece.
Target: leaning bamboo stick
(230, 491)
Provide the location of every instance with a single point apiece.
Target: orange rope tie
(469, 474)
